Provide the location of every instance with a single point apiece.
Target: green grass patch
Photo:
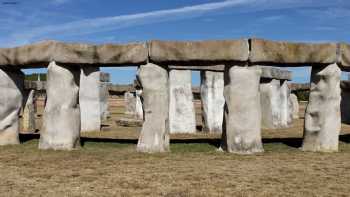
(192, 147)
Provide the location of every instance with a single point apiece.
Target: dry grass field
(108, 165)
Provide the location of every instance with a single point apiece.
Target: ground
(108, 165)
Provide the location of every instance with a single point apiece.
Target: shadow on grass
(208, 142)
(26, 137)
(84, 140)
(198, 144)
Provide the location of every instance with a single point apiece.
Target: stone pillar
(322, 116)
(181, 108)
(138, 105)
(28, 120)
(242, 120)
(130, 103)
(270, 103)
(213, 101)
(294, 106)
(61, 126)
(286, 114)
(154, 136)
(104, 95)
(89, 99)
(11, 97)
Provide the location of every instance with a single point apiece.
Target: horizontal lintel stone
(345, 54)
(272, 52)
(41, 53)
(200, 51)
(267, 71)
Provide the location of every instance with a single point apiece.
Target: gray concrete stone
(130, 103)
(345, 55)
(181, 108)
(41, 53)
(89, 99)
(204, 51)
(213, 101)
(267, 71)
(322, 117)
(154, 136)
(266, 51)
(11, 88)
(242, 120)
(270, 99)
(61, 123)
(104, 95)
(294, 106)
(138, 105)
(286, 114)
(28, 117)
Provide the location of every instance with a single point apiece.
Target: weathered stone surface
(40, 54)
(28, 117)
(130, 103)
(270, 99)
(138, 105)
(104, 95)
(181, 108)
(61, 123)
(35, 85)
(322, 117)
(89, 99)
(202, 51)
(267, 71)
(286, 114)
(213, 101)
(265, 51)
(242, 120)
(129, 122)
(128, 54)
(345, 54)
(105, 77)
(275, 73)
(11, 88)
(294, 106)
(154, 136)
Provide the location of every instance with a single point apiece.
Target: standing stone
(181, 108)
(130, 103)
(294, 106)
(322, 116)
(154, 136)
(89, 99)
(213, 101)
(28, 120)
(270, 99)
(61, 127)
(104, 95)
(11, 85)
(138, 105)
(286, 115)
(242, 120)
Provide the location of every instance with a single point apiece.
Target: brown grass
(108, 165)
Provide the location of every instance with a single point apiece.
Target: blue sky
(117, 21)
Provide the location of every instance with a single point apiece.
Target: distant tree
(303, 95)
(34, 77)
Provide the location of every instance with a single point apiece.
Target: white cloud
(103, 24)
(59, 2)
